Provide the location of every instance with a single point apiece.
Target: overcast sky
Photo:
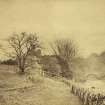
(81, 20)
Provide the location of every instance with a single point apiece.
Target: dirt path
(48, 93)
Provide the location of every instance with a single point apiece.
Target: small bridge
(92, 77)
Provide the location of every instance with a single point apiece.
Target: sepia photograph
(52, 52)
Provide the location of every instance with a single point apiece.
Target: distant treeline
(80, 65)
(9, 62)
(50, 64)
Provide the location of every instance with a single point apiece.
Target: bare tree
(24, 46)
(65, 51)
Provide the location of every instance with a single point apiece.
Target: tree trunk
(21, 65)
(65, 69)
(22, 69)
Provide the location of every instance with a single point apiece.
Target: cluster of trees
(25, 47)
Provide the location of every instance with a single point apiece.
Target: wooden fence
(88, 96)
